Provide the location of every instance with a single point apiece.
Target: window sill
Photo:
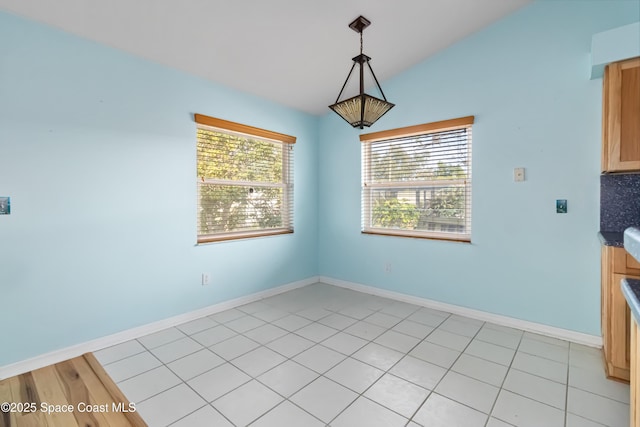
(430, 236)
(241, 235)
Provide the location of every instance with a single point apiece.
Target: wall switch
(205, 279)
(518, 174)
(561, 206)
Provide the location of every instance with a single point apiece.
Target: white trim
(538, 328)
(57, 356)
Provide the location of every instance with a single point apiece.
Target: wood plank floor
(76, 392)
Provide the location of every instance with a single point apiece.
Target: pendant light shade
(363, 109)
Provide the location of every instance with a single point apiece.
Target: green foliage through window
(393, 213)
(418, 183)
(244, 183)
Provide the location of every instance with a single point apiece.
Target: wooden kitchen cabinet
(621, 116)
(635, 374)
(616, 315)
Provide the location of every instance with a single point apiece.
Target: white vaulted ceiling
(295, 52)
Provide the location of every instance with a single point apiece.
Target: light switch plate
(518, 174)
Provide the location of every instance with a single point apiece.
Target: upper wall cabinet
(621, 116)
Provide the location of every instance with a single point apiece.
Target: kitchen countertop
(632, 242)
(631, 292)
(631, 287)
(611, 238)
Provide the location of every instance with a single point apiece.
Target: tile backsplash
(619, 201)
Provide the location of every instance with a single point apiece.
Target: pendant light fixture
(363, 109)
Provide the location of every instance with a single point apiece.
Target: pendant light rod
(346, 81)
(376, 80)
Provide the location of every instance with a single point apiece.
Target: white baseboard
(120, 337)
(538, 328)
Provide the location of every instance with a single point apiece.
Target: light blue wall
(97, 151)
(526, 80)
(614, 45)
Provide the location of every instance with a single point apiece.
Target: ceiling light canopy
(363, 109)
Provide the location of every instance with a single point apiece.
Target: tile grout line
(505, 379)
(225, 361)
(432, 391)
(388, 370)
(369, 341)
(359, 395)
(320, 375)
(255, 378)
(129, 357)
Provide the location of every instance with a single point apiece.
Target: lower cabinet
(617, 264)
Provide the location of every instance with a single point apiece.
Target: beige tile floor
(322, 355)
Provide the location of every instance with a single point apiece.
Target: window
(416, 181)
(245, 181)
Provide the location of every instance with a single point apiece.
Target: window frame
(367, 186)
(287, 141)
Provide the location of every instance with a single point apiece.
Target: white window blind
(416, 181)
(245, 181)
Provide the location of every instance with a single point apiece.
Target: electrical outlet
(387, 267)
(561, 206)
(205, 279)
(5, 205)
(518, 174)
